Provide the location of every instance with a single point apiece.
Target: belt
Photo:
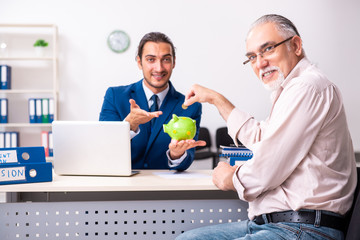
(307, 217)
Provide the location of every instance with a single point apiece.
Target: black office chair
(222, 138)
(353, 218)
(357, 156)
(204, 152)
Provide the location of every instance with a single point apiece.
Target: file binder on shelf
(236, 155)
(5, 77)
(2, 140)
(38, 111)
(45, 110)
(41, 110)
(3, 110)
(32, 118)
(51, 110)
(22, 155)
(7, 139)
(51, 144)
(45, 142)
(14, 173)
(14, 139)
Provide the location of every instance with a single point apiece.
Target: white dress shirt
(303, 152)
(161, 97)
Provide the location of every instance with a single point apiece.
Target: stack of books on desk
(236, 155)
(24, 165)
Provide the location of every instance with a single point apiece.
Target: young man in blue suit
(151, 148)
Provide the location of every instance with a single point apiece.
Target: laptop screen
(91, 148)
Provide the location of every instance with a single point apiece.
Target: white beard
(273, 86)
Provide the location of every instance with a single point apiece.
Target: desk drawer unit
(114, 219)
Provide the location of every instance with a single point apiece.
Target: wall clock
(118, 41)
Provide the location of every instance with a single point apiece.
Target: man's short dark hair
(154, 37)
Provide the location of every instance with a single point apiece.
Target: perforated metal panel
(114, 219)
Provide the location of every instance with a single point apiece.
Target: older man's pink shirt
(303, 152)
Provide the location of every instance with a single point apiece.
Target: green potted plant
(40, 45)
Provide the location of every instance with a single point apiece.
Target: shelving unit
(32, 76)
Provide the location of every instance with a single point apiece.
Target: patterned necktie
(154, 107)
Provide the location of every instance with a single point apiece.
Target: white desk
(145, 180)
(156, 204)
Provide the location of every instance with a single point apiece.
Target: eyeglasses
(265, 52)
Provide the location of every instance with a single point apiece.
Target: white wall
(209, 37)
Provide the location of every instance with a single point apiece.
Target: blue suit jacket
(148, 148)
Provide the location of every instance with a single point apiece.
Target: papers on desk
(180, 175)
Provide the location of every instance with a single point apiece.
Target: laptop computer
(92, 148)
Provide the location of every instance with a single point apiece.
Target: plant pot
(40, 51)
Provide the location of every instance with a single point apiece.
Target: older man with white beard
(301, 180)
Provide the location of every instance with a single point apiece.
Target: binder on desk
(236, 154)
(14, 173)
(5, 77)
(22, 155)
(45, 110)
(3, 110)
(38, 111)
(32, 118)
